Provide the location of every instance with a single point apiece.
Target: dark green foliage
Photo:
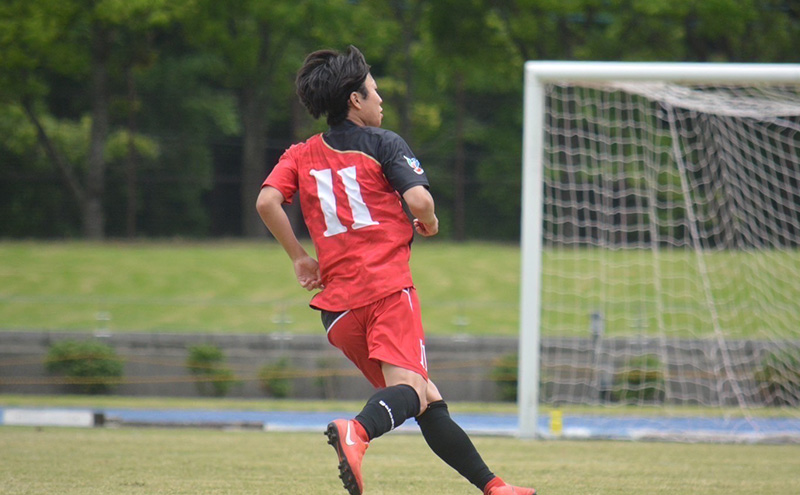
(180, 74)
(91, 367)
(274, 379)
(504, 374)
(779, 377)
(327, 379)
(642, 380)
(207, 363)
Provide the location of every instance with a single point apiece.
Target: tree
(97, 95)
(76, 40)
(475, 55)
(250, 39)
(39, 41)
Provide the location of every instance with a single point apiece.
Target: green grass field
(246, 287)
(238, 287)
(192, 461)
(469, 288)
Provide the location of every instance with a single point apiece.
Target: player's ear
(355, 100)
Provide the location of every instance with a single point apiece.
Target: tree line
(131, 118)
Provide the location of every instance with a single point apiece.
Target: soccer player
(350, 181)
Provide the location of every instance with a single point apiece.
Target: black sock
(388, 409)
(447, 440)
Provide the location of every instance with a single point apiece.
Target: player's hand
(426, 229)
(306, 269)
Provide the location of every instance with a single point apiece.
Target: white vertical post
(531, 253)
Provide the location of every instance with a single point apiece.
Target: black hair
(326, 80)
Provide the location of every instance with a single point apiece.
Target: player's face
(371, 112)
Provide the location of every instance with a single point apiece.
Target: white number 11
(327, 200)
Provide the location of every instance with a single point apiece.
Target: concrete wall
(573, 370)
(155, 364)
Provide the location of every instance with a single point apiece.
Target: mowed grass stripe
(466, 288)
(189, 461)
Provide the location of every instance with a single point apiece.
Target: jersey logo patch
(414, 164)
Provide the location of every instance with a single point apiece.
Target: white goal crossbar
(537, 76)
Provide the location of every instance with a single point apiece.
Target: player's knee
(395, 375)
(420, 386)
(433, 394)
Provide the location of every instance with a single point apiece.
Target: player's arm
(421, 204)
(270, 209)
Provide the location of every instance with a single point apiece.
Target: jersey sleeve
(400, 166)
(284, 177)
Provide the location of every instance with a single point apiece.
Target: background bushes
(207, 363)
(779, 377)
(89, 366)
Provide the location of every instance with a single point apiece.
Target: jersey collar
(343, 126)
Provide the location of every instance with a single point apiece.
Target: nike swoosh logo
(347, 438)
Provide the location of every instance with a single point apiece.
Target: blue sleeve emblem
(414, 164)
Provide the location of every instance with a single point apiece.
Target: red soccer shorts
(386, 331)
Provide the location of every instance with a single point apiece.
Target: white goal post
(645, 80)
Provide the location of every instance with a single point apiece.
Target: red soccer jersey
(350, 180)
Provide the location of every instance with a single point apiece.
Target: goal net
(661, 240)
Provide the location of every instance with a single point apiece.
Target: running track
(771, 430)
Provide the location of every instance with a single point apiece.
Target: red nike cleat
(350, 441)
(511, 490)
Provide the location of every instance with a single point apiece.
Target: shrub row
(92, 367)
(643, 381)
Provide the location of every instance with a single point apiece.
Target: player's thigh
(395, 335)
(347, 331)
